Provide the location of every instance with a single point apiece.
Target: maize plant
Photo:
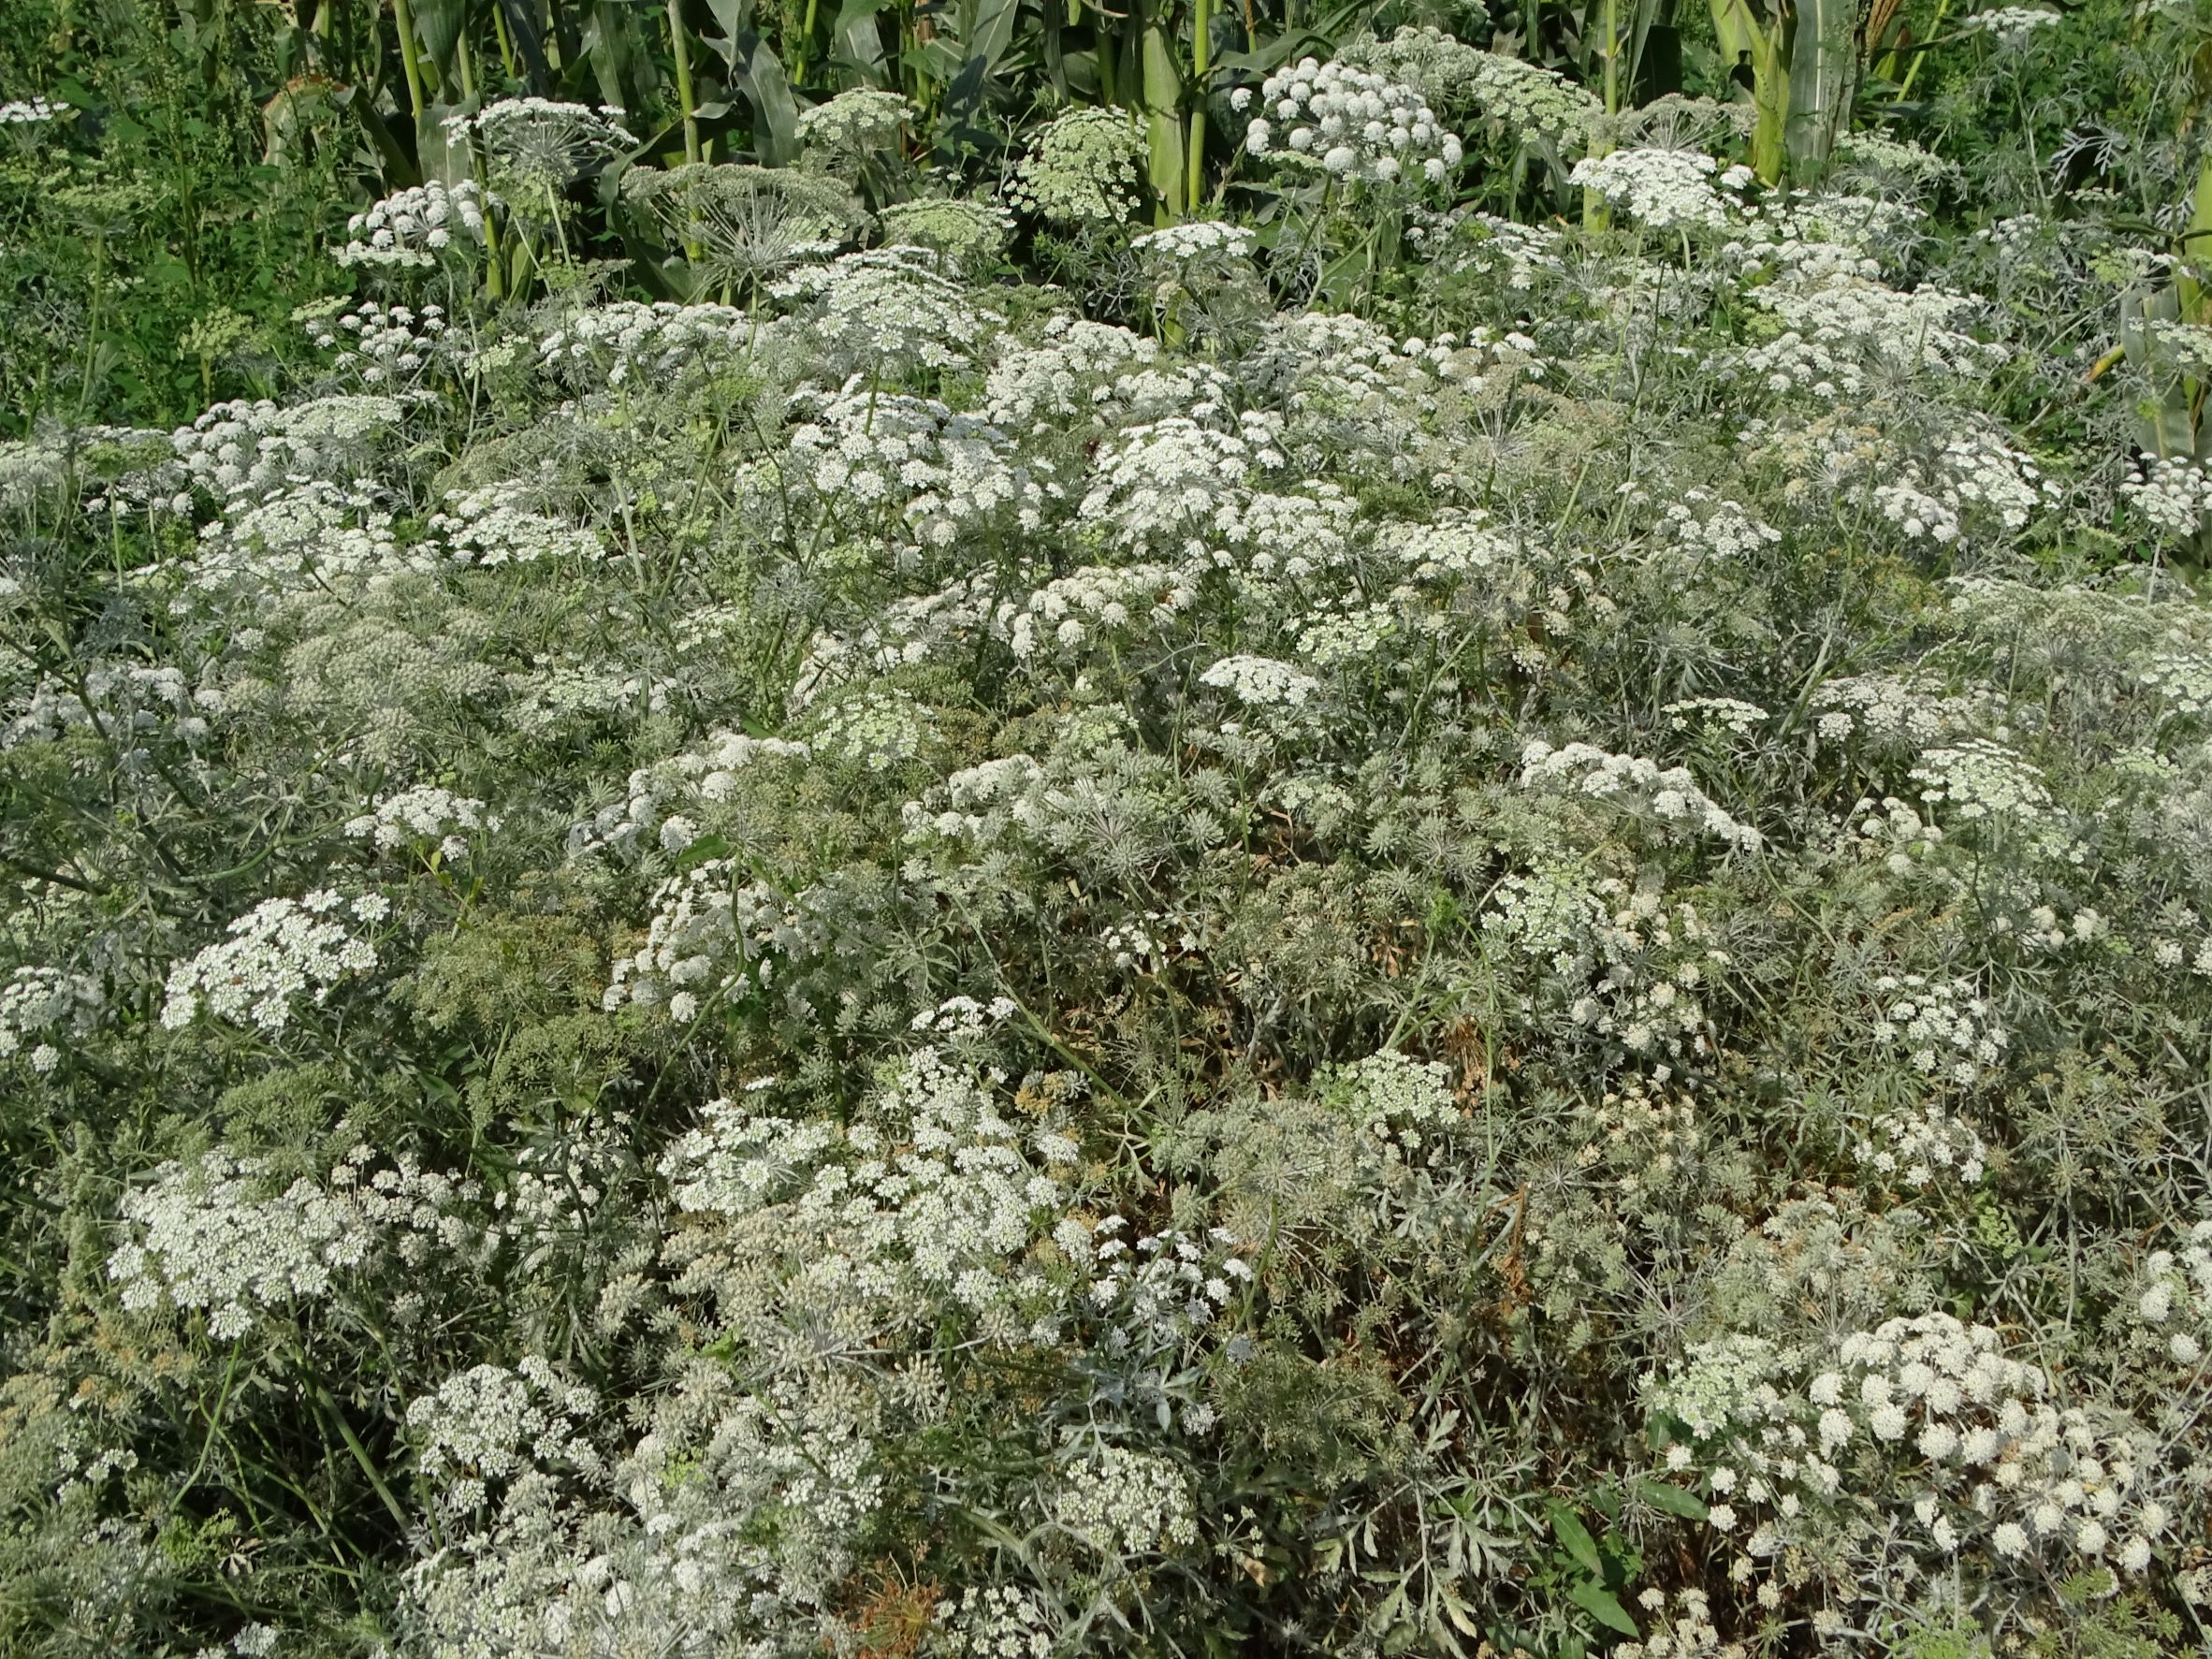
(1804, 62)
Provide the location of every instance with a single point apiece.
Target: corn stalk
(1160, 99)
(1804, 58)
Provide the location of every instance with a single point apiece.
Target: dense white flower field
(869, 965)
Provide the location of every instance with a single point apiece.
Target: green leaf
(1672, 1499)
(438, 25)
(706, 847)
(1595, 1600)
(1575, 1538)
(857, 11)
(855, 39)
(758, 74)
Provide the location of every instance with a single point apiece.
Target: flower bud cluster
(413, 226)
(1358, 124)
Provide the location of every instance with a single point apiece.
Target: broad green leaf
(990, 30)
(437, 25)
(710, 846)
(1597, 1601)
(1672, 1499)
(1573, 1537)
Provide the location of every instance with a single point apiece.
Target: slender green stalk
(1596, 215)
(1201, 60)
(1613, 57)
(1904, 88)
(805, 42)
(404, 17)
(680, 45)
(506, 40)
(1109, 55)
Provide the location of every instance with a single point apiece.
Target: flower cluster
(1927, 1418)
(653, 344)
(2173, 1296)
(1954, 1034)
(1662, 189)
(1196, 239)
(2182, 678)
(710, 938)
(1540, 106)
(857, 120)
(388, 345)
(2172, 492)
(490, 1424)
(1912, 1145)
(1358, 124)
(697, 778)
(1081, 168)
(1124, 1503)
(887, 306)
(1262, 682)
(411, 228)
(424, 816)
(1667, 795)
(2011, 25)
(1978, 779)
(936, 1192)
(963, 231)
(536, 145)
(240, 449)
(277, 951)
(209, 1236)
(1718, 529)
(496, 526)
(1842, 330)
(993, 1621)
(38, 1004)
(1071, 613)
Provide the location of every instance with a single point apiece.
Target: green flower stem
(1201, 62)
(404, 18)
(680, 45)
